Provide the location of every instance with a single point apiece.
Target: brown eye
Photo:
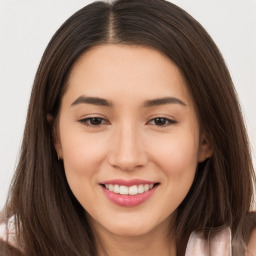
(93, 121)
(161, 121)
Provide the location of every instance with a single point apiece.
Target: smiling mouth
(129, 190)
(129, 193)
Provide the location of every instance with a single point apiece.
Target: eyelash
(88, 121)
(164, 121)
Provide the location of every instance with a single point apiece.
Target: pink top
(219, 245)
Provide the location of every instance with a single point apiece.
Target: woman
(134, 142)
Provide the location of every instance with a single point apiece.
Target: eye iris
(95, 121)
(160, 121)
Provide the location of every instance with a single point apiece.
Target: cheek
(82, 156)
(80, 152)
(176, 154)
(178, 162)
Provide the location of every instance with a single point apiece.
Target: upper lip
(127, 183)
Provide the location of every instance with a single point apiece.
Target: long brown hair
(48, 218)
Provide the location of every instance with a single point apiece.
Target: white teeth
(111, 187)
(116, 189)
(141, 189)
(146, 187)
(123, 190)
(132, 190)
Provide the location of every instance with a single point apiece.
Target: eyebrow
(149, 103)
(163, 101)
(92, 100)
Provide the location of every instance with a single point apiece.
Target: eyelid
(85, 121)
(104, 121)
(171, 121)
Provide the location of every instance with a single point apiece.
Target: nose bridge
(127, 146)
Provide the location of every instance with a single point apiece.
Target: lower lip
(128, 200)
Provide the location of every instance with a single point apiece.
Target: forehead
(113, 69)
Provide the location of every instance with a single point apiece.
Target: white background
(26, 27)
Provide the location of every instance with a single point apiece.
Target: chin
(130, 230)
(134, 227)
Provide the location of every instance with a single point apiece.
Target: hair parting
(48, 218)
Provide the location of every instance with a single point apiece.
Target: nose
(127, 152)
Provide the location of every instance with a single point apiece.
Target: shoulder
(3, 231)
(219, 243)
(8, 232)
(8, 239)
(251, 248)
(250, 233)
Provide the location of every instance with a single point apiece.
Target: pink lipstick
(128, 193)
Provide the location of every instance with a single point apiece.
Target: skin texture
(252, 244)
(127, 143)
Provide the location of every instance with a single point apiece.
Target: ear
(205, 148)
(55, 136)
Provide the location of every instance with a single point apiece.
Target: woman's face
(129, 137)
